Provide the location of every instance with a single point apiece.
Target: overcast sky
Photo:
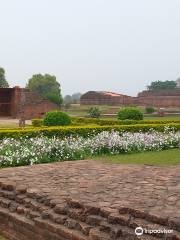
(114, 45)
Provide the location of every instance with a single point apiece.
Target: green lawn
(82, 110)
(161, 158)
(169, 117)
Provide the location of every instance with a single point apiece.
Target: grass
(169, 117)
(161, 158)
(82, 110)
(2, 238)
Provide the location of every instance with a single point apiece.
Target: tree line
(164, 85)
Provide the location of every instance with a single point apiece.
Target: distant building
(104, 98)
(158, 98)
(17, 102)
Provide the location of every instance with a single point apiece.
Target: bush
(131, 113)
(103, 122)
(150, 110)
(37, 122)
(56, 118)
(94, 112)
(84, 131)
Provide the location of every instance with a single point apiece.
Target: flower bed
(28, 151)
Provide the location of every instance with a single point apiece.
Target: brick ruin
(162, 98)
(86, 200)
(17, 102)
(104, 98)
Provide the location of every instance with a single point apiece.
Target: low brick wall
(49, 213)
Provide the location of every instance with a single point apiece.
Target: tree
(3, 82)
(178, 83)
(160, 85)
(76, 97)
(67, 99)
(46, 86)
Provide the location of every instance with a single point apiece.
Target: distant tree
(3, 82)
(178, 83)
(160, 85)
(76, 97)
(46, 86)
(67, 99)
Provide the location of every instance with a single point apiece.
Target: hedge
(103, 122)
(83, 131)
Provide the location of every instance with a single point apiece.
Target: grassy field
(161, 158)
(82, 110)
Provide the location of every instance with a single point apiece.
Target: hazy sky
(115, 45)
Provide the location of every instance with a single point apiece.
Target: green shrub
(131, 113)
(94, 112)
(103, 122)
(56, 118)
(37, 122)
(150, 110)
(84, 131)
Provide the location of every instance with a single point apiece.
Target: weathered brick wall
(30, 105)
(159, 101)
(167, 93)
(170, 98)
(163, 98)
(97, 98)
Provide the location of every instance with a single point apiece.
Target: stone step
(7, 194)
(61, 230)
(117, 230)
(83, 218)
(139, 218)
(137, 213)
(9, 186)
(63, 219)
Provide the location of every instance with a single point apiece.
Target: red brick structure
(163, 98)
(17, 102)
(104, 98)
(89, 200)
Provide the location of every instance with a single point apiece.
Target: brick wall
(30, 105)
(170, 98)
(98, 98)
